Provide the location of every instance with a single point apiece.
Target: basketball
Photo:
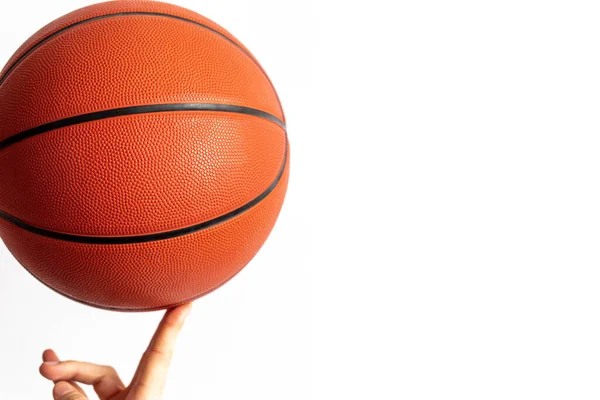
(144, 157)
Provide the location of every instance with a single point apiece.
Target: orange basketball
(143, 155)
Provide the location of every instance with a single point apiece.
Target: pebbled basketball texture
(143, 155)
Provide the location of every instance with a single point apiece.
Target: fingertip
(45, 370)
(181, 308)
(187, 308)
(178, 314)
(49, 355)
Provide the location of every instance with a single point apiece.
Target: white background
(441, 234)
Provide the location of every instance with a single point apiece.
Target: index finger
(151, 374)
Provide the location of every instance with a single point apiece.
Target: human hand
(147, 383)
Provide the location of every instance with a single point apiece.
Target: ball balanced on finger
(143, 155)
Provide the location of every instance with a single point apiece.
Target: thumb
(66, 391)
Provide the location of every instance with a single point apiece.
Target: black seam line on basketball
(116, 240)
(49, 37)
(135, 110)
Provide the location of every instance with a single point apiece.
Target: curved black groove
(153, 108)
(49, 37)
(108, 240)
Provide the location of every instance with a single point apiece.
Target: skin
(148, 382)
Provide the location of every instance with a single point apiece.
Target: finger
(104, 379)
(151, 374)
(66, 391)
(49, 356)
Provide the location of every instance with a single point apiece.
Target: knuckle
(174, 325)
(110, 370)
(163, 354)
(72, 396)
(139, 392)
